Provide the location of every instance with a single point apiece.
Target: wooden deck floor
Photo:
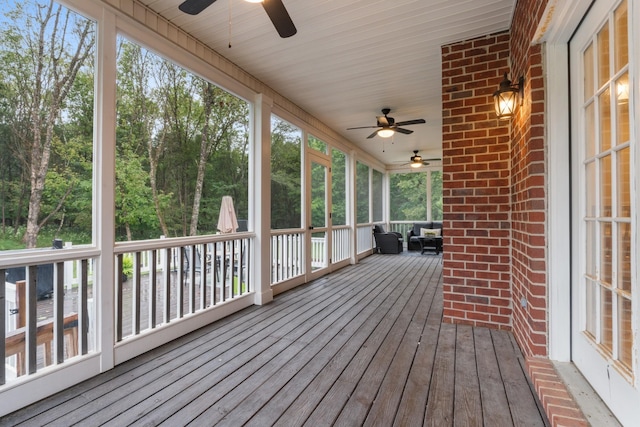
(362, 346)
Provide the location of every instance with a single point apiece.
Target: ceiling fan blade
(194, 7)
(363, 127)
(280, 17)
(372, 135)
(411, 122)
(405, 131)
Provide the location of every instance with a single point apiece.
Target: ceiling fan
(387, 126)
(417, 161)
(275, 10)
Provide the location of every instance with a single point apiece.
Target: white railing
(341, 243)
(364, 238)
(158, 281)
(319, 252)
(402, 227)
(287, 261)
(43, 320)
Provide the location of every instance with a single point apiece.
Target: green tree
(286, 167)
(362, 193)
(408, 196)
(43, 47)
(339, 187)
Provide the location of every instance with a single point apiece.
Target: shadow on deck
(362, 346)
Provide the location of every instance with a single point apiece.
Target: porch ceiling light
(508, 97)
(386, 133)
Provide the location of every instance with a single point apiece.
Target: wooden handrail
(15, 340)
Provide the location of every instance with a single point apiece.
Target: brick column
(476, 185)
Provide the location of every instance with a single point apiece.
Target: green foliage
(316, 144)
(127, 265)
(10, 240)
(362, 193)
(286, 200)
(377, 189)
(408, 195)
(436, 195)
(339, 187)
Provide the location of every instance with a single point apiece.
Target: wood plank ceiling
(350, 58)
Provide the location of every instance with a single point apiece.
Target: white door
(604, 64)
(318, 218)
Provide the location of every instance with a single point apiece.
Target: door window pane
(318, 195)
(590, 248)
(590, 130)
(606, 319)
(625, 346)
(591, 312)
(622, 109)
(623, 183)
(624, 256)
(590, 190)
(604, 117)
(621, 37)
(589, 81)
(605, 186)
(603, 55)
(605, 252)
(317, 144)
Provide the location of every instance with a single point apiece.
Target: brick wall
(529, 186)
(476, 185)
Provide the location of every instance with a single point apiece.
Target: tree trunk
(205, 151)
(59, 76)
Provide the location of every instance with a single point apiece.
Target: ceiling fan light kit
(386, 133)
(416, 161)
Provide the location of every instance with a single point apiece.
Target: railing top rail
(341, 227)
(286, 231)
(46, 256)
(174, 242)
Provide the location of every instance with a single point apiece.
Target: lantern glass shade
(385, 133)
(505, 103)
(507, 97)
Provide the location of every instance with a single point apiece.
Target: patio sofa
(428, 243)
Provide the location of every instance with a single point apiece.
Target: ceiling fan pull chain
(230, 24)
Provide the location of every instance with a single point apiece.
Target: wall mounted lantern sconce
(508, 97)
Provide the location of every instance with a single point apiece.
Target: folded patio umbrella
(227, 221)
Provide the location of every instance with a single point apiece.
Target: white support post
(351, 205)
(260, 203)
(104, 215)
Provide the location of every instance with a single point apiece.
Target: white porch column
(352, 202)
(104, 187)
(260, 198)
